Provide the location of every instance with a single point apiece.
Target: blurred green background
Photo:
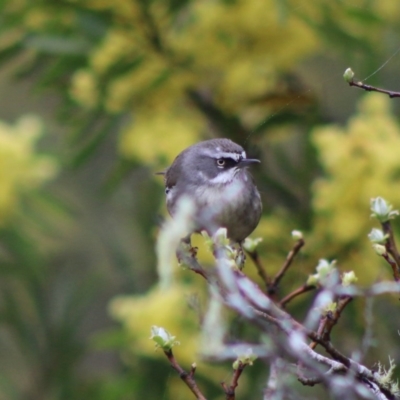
(98, 95)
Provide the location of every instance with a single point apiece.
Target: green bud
(220, 237)
(246, 358)
(379, 249)
(163, 338)
(348, 75)
(313, 280)
(236, 365)
(324, 270)
(297, 235)
(208, 240)
(348, 278)
(382, 210)
(324, 267)
(377, 236)
(250, 244)
(329, 308)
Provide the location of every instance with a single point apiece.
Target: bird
(214, 175)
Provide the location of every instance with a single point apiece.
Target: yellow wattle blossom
(230, 51)
(161, 307)
(21, 169)
(361, 162)
(84, 88)
(160, 136)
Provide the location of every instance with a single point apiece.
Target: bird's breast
(236, 206)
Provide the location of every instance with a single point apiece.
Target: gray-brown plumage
(214, 174)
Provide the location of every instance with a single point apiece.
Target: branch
(239, 293)
(255, 257)
(393, 265)
(370, 88)
(186, 255)
(272, 284)
(330, 320)
(292, 254)
(188, 378)
(391, 248)
(230, 390)
(294, 331)
(295, 293)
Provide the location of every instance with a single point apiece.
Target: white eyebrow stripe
(224, 154)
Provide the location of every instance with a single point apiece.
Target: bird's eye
(220, 162)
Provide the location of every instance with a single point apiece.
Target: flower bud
(220, 237)
(162, 338)
(379, 249)
(377, 236)
(382, 210)
(324, 273)
(348, 75)
(348, 278)
(313, 280)
(297, 235)
(246, 358)
(329, 308)
(250, 244)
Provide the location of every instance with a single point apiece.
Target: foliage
(135, 82)
(21, 168)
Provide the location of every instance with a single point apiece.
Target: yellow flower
(161, 135)
(361, 163)
(84, 88)
(21, 169)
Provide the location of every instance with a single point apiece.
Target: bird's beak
(246, 162)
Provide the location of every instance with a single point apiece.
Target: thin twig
(230, 390)
(189, 259)
(328, 321)
(391, 248)
(295, 293)
(308, 381)
(188, 378)
(260, 267)
(370, 88)
(393, 265)
(340, 362)
(290, 257)
(334, 317)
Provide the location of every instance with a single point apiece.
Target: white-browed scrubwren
(214, 174)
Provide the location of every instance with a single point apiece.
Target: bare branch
(370, 88)
(230, 390)
(292, 254)
(301, 290)
(391, 248)
(188, 378)
(255, 257)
